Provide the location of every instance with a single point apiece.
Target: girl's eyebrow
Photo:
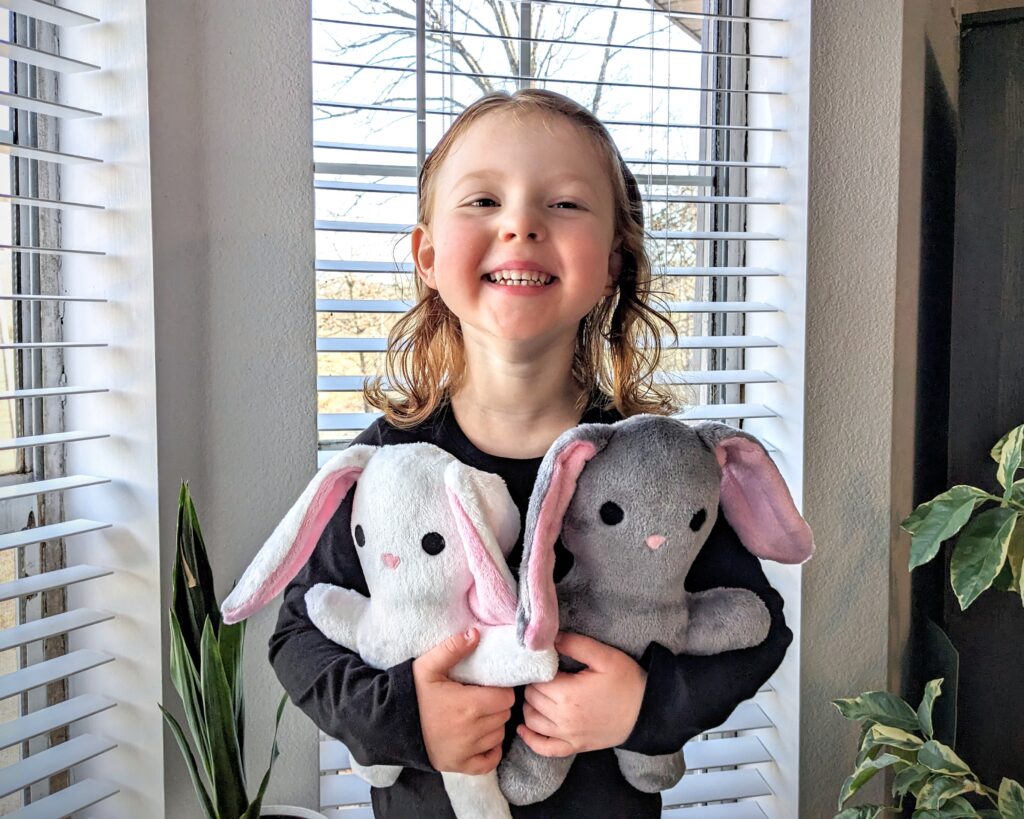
(565, 176)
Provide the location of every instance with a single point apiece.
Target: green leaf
(958, 808)
(187, 683)
(254, 807)
(1011, 800)
(884, 735)
(867, 769)
(939, 790)
(939, 519)
(1015, 557)
(980, 553)
(1007, 453)
(226, 757)
(192, 593)
(941, 758)
(908, 780)
(881, 707)
(190, 763)
(232, 643)
(924, 710)
(863, 812)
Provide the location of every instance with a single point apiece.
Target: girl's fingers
(495, 722)
(537, 722)
(489, 741)
(483, 763)
(538, 699)
(544, 745)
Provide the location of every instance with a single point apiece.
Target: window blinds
(38, 709)
(695, 95)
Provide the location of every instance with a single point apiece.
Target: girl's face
(518, 200)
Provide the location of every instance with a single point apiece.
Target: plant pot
(288, 811)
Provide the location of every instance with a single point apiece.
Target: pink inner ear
(318, 513)
(491, 600)
(757, 504)
(543, 626)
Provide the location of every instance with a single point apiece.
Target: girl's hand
(463, 725)
(596, 708)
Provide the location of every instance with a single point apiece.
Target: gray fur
(661, 472)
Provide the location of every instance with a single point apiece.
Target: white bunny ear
(293, 540)
(488, 522)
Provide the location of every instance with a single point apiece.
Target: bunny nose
(654, 541)
(390, 560)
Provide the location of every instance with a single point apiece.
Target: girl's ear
(293, 540)
(423, 255)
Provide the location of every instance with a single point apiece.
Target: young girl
(533, 288)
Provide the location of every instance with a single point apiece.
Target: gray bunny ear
(755, 498)
(537, 613)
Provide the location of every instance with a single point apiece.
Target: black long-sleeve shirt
(374, 712)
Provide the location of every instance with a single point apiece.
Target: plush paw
(526, 777)
(651, 774)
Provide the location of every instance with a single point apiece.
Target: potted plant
(989, 552)
(206, 670)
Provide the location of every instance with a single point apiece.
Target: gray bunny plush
(634, 503)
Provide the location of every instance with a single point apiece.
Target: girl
(533, 288)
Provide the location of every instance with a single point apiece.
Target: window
(36, 690)
(696, 95)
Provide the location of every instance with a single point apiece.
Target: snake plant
(206, 670)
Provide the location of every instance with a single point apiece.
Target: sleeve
(686, 694)
(374, 712)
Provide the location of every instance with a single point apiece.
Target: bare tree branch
(604, 63)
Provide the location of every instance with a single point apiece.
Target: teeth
(519, 278)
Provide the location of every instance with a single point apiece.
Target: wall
(231, 148)
(864, 221)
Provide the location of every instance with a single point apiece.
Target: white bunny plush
(431, 535)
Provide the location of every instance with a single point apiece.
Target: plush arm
(374, 712)
(687, 695)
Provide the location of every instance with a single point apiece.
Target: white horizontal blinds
(38, 741)
(675, 82)
(669, 80)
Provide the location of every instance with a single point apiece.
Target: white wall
(231, 146)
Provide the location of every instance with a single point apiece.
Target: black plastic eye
(611, 513)
(360, 537)
(698, 520)
(432, 543)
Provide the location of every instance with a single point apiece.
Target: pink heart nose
(654, 541)
(390, 560)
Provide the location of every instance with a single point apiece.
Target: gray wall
(231, 145)
(864, 222)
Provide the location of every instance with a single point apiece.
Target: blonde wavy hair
(618, 344)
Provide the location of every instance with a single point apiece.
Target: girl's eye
(572, 205)
(483, 202)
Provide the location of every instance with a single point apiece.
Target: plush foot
(527, 777)
(651, 774)
(379, 776)
(476, 797)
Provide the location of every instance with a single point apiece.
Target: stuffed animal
(431, 534)
(634, 503)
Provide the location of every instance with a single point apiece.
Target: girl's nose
(521, 223)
